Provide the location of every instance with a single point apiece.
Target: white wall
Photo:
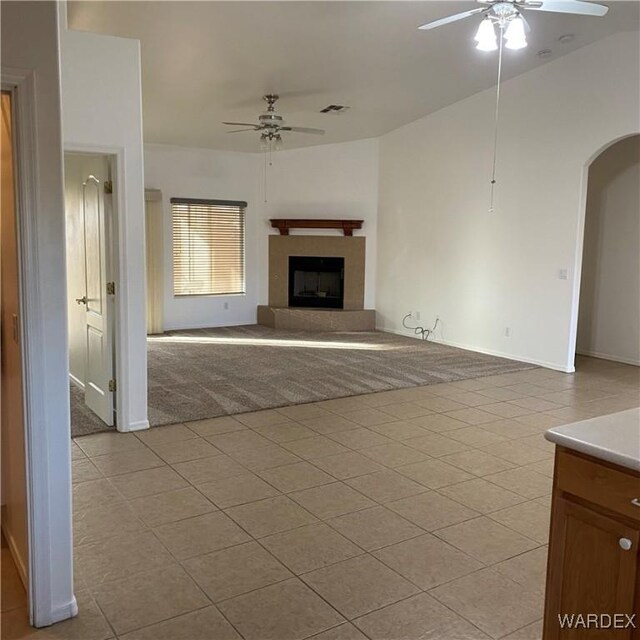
(101, 99)
(445, 255)
(330, 181)
(30, 44)
(609, 320)
(203, 173)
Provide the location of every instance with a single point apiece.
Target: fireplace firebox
(316, 282)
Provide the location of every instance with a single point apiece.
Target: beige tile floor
(405, 514)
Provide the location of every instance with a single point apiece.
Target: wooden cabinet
(593, 574)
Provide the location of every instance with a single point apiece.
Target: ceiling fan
(271, 124)
(512, 29)
(506, 10)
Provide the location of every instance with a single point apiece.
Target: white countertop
(614, 437)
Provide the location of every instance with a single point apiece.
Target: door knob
(625, 544)
(635, 502)
(82, 300)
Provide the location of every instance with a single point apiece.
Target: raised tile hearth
(317, 319)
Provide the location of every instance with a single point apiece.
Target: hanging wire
(420, 331)
(497, 116)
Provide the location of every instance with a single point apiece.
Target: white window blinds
(208, 247)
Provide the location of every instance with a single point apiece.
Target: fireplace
(316, 282)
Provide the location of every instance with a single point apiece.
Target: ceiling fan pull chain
(265, 175)
(495, 130)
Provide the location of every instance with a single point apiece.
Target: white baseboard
(508, 356)
(134, 426)
(78, 383)
(606, 356)
(17, 559)
(65, 611)
(489, 352)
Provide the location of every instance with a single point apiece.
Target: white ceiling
(205, 62)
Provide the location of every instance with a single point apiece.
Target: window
(208, 247)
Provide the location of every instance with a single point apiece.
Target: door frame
(22, 563)
(117, 249)
(49, 518)
(579, 251)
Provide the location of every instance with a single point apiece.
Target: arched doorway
(609, 311)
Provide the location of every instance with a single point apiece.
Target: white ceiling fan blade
(318, 132)
(243, 124)
(453, 18)
(240, 130)
(576, 7)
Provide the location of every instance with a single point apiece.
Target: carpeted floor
(211, 372)
(205, 373)
(83, 420)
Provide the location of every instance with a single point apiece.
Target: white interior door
(98, 393)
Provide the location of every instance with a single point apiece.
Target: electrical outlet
(507, 332)
(225, 306)
(563, 274)
(417, 315)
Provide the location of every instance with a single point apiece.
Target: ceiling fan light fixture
(486, 36)
(515, 34)
(512, 32)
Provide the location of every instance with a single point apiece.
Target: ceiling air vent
(334, 109)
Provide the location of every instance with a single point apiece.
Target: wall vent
(334, 109)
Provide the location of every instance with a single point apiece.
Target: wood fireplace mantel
(284, 224)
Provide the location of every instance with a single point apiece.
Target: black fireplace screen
(316, 282)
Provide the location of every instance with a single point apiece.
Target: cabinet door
(593, 569)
